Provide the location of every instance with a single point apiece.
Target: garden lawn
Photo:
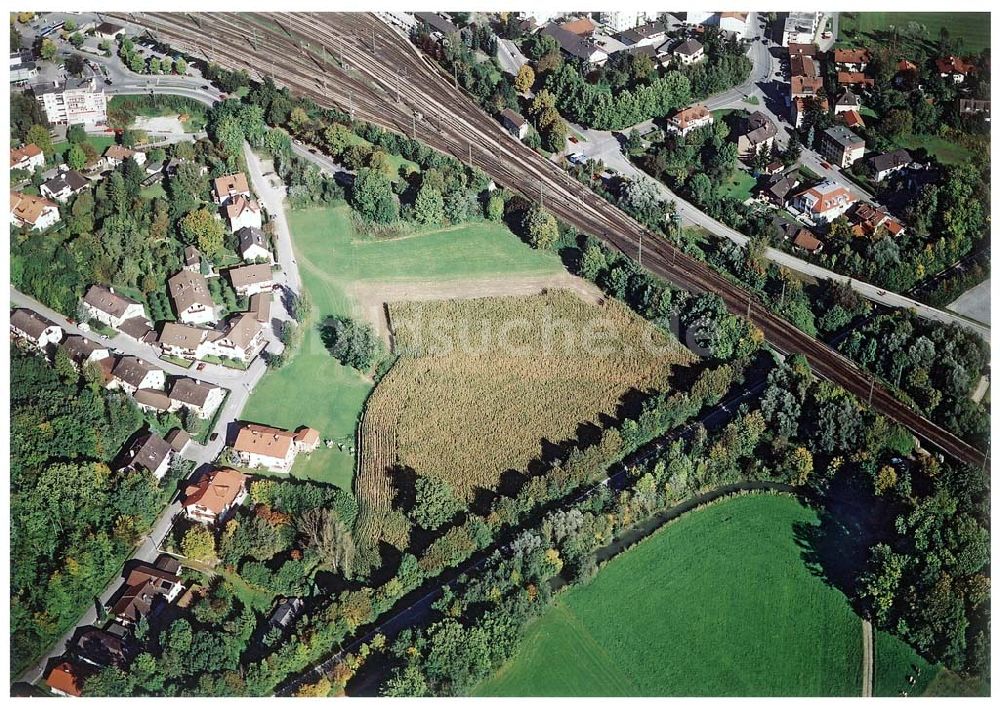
(100, 143)
(314, 389)
(718, 603)
(972, 27)
(738, 186)
(946, 151)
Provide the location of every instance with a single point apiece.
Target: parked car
(201, 366)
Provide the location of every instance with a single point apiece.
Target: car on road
(204, 87)
(826, 165)
(573, 139)
(214, 436)
(277, 287)
(201, 366)
(108, 81)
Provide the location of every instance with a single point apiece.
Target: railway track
(356, 62)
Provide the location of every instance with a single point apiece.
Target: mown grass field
(972, 27)
(946, 151)
(718, 603)
(486, 385)
(314, 388)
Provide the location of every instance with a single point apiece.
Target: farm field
(972, 27)
(486, 386)
(718, 603)
(315, 389)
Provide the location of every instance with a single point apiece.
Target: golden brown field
(482, 384)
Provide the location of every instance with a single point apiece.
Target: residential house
(802, 50)
(852, 60)
(179, 440)
(29, 157)
(64, 185)
(649, 34)
(182, 340)
(242, 339)
(801, 107)
(115, 155)
(847, 101)
(824, 202)
(108, 31)
(286, 612)
(886, 164)
(147, 452)
(974, 107)
(228, 187)
(853, 119)
(100, 648)
(779, 188)
(251, 279)
(855, 78)
(871, 222)
(131, 373)
(690, 119)
(192, 259)
(200, 398)
(273, 449)
(260, 306)
(841, 146)
(254, 245)
(907, 75)
(214, 495)
(803, 65)
(33, 212)
(805, 87)
(152, 401)
(192, 300)
(147, 589)
(688, 52)
(954, 68)
(241, 212)
(22, 68)
(66, 679)
(757, 133)
(110, 308)
(438, 25)
(139, 329)
(576, 45)
(515, 123)
(83, 351)
(807, 241)
(34, 329)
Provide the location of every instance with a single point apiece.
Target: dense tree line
(935, 365)
(73, 519)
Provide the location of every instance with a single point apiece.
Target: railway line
(356, 62)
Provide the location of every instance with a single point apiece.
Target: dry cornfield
(483, 384)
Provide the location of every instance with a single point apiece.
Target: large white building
(76, 101)
(800, 28)
(621, 21)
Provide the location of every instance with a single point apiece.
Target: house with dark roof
(178, 440)
(254, 245)
(146, 590)
(103, 304)
(847, 101)
(779, 188)
(201, 398)
(100, 648)
(286, 612)
(131, 373)
(886, 164)
(575, 45)
(688, 52)
(757, 133)
(251, 278)
(646, 35)
(515, 123)
(242, 339)
(152, 400)
(974, 107)
(192, 300)
(147, 452)
(83, 351)
(64, 185)
(437, 24)
(34, 329)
